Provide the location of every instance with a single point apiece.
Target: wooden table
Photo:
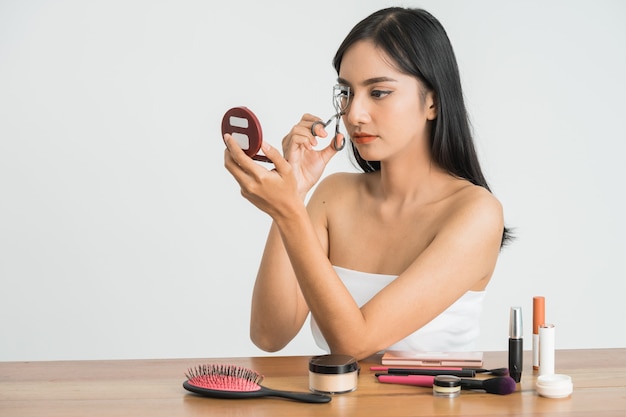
(154, 388)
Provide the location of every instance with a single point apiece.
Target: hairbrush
(231, 381)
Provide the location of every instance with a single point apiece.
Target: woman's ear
(431, 105)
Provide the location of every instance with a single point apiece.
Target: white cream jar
(554, 386)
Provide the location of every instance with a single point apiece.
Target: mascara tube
(516, 344)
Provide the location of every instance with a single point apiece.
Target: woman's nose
(357, 111)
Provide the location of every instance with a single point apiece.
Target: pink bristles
(225, 378)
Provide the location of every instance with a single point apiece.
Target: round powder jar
(333, 374)
(447, 386)
(554, 386)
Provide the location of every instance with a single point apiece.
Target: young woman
(398, 256)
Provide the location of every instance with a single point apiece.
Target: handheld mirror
(245, 128)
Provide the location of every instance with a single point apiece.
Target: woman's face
(388, 112)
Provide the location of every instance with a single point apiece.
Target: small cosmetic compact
(554, 386)
(447, 386)
(333, 374)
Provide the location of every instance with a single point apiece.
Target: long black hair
(419, 45)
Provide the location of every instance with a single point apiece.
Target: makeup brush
(494, 372)
(501, 385)
(231, 381)
(467, 373)
(457, 371)
(498, 385)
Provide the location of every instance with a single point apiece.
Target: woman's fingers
(304, 134)
(281, 165)
(236, 161)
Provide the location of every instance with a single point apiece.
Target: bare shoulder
(474, 197)
(334, 194)
(476, 208)
(341, 179)
(339, 183)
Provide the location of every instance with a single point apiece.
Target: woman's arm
(278, 307)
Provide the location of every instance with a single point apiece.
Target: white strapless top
(456, 329)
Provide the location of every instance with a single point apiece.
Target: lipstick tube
(546, 349)
(516, 344)
(539, 318)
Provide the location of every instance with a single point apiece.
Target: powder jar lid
(449, 381)
(333, 364)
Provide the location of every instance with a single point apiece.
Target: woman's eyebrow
(369, 81)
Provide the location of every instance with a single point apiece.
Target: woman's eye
(380, 93)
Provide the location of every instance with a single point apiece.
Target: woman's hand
(294, 174)
(271, 190)
(307, 163)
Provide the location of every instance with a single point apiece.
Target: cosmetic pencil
(516, 344)
(438, 369)
(387, 368)
(466, 373)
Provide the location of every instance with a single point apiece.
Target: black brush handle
(472, 383)
(495, 372)
(307, 397)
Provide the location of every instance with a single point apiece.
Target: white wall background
(122, 235)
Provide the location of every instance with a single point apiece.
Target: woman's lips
(363, 138)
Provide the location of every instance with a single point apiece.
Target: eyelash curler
(341, 100)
